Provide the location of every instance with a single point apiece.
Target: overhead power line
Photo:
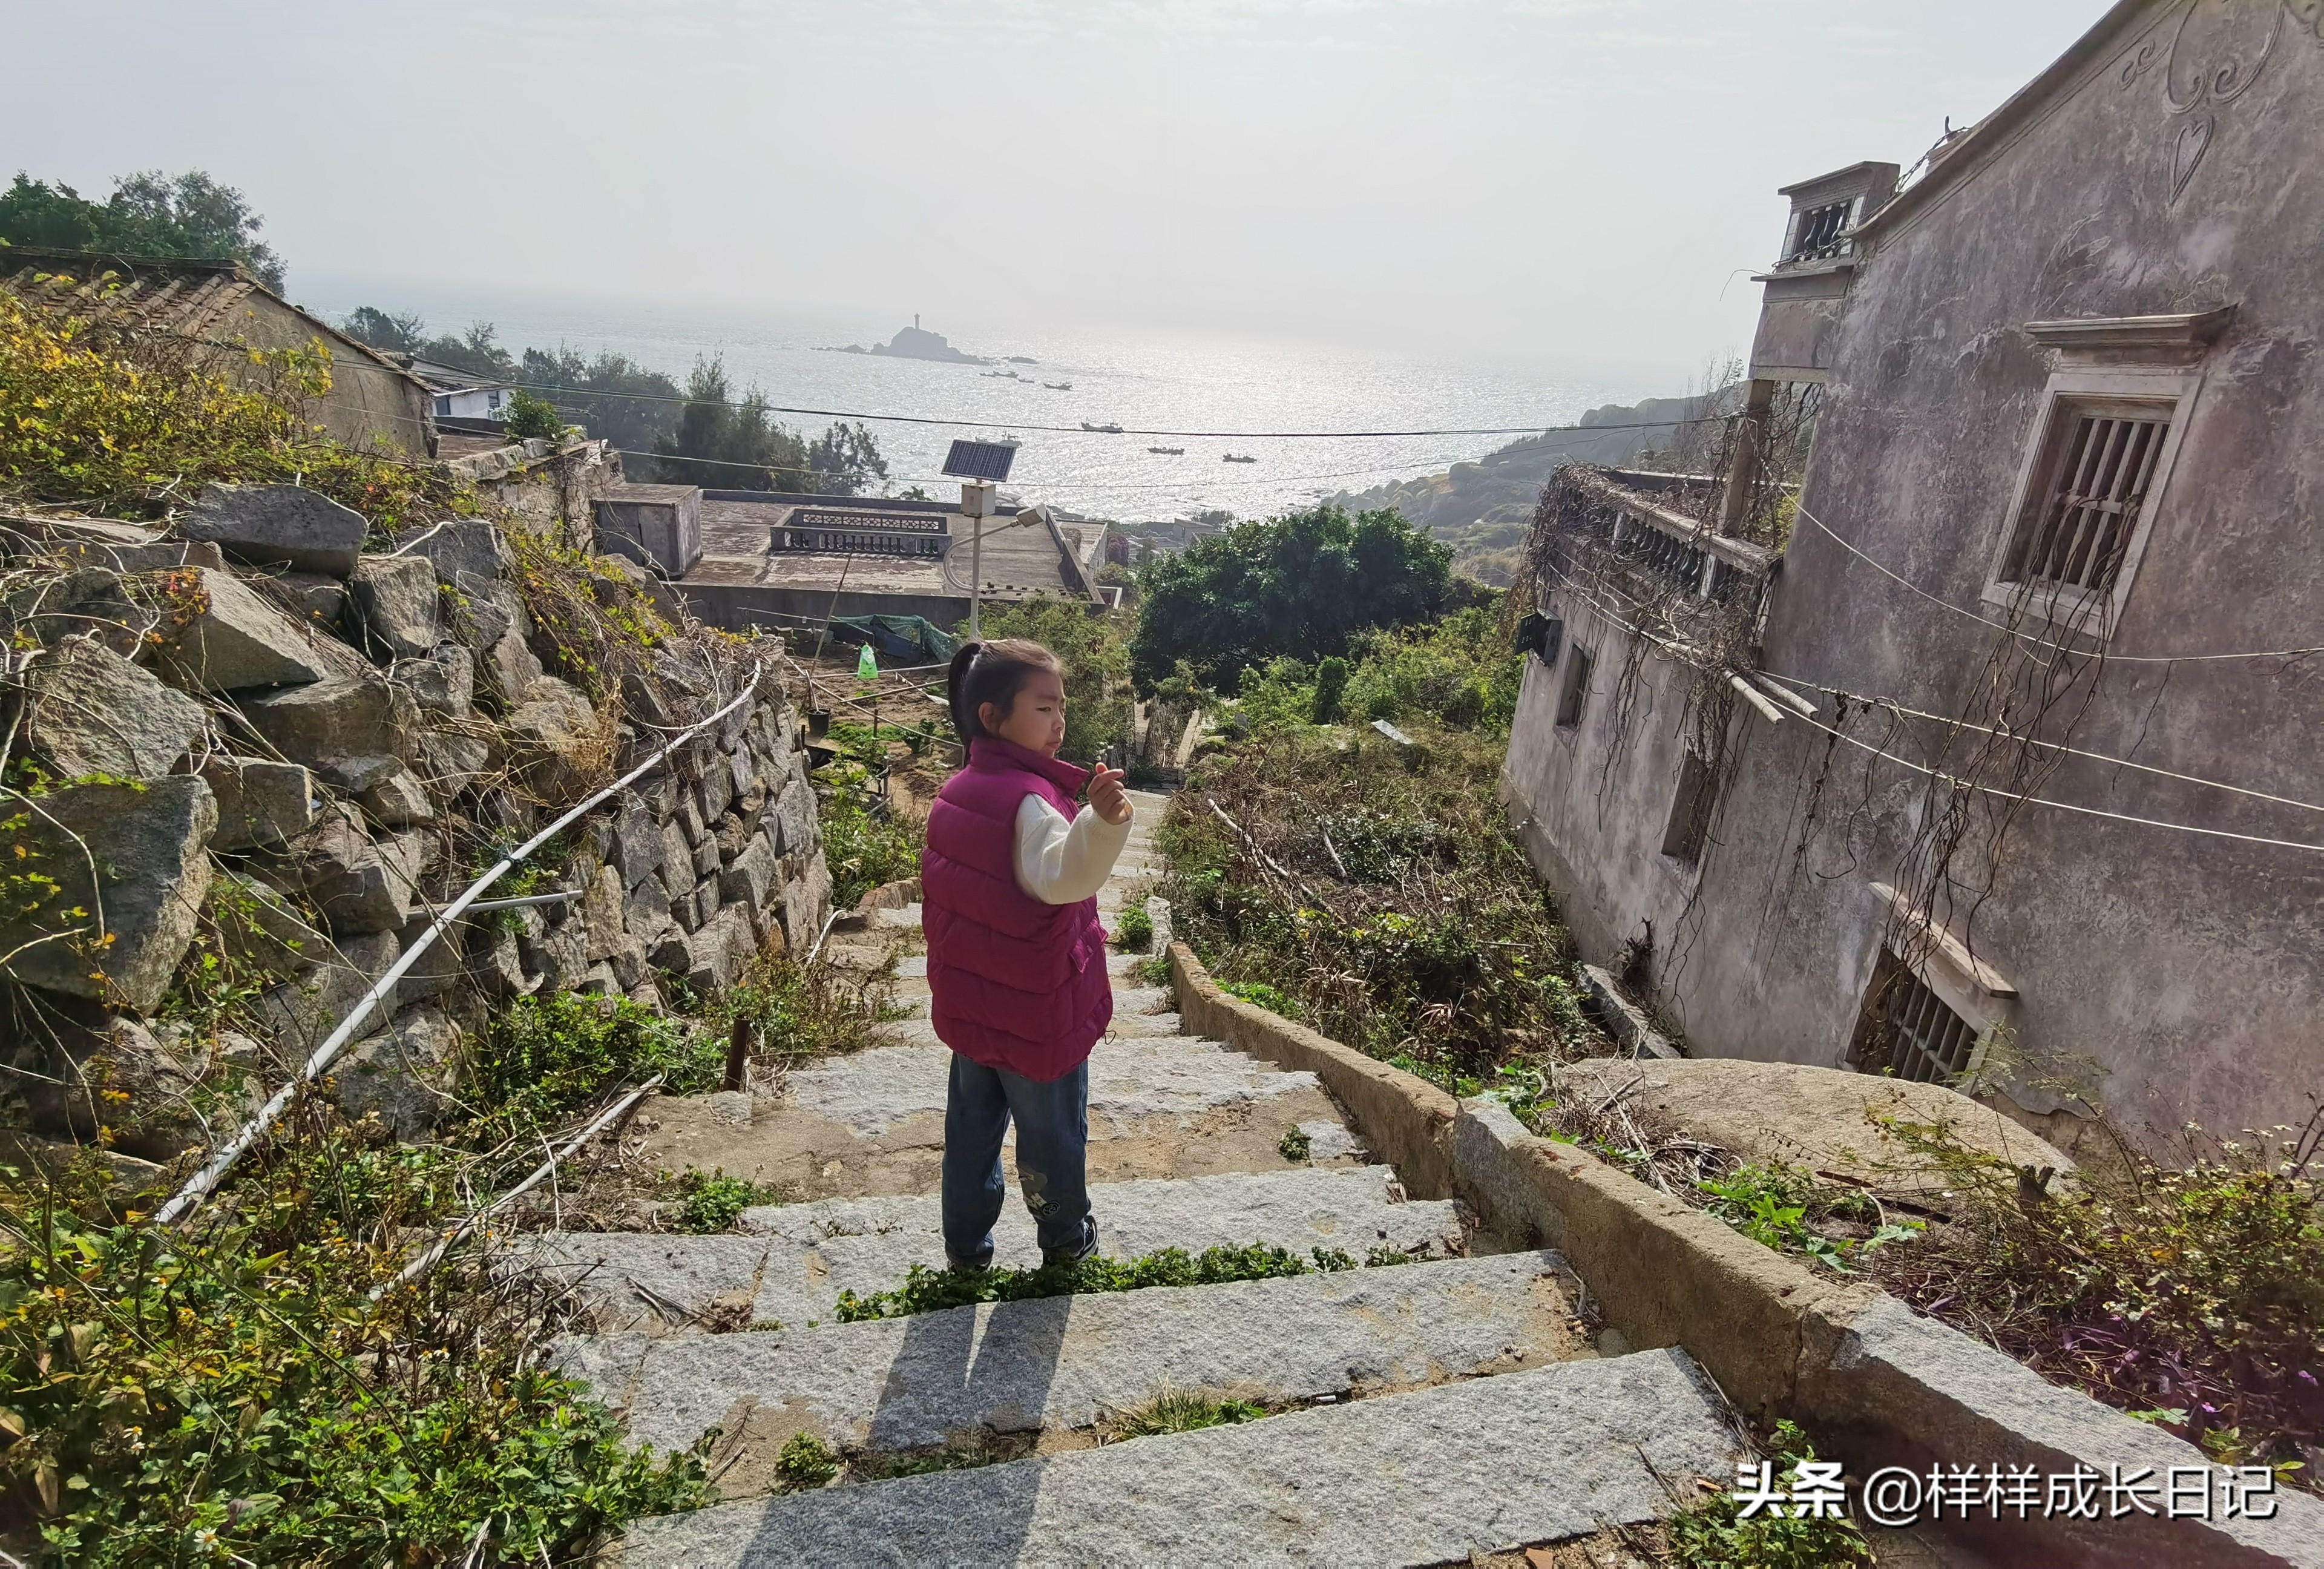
(1129, 430)
(2108, 655)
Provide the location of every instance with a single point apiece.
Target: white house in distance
(459, 395)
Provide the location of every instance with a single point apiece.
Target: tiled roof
(173, 294)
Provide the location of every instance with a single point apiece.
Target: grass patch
(1259, 994)
(927, 1290)
(1133, 929)
(1184, 1411)
(228, 1392)
(807, 1462)
(1156, 970)
(713, 1201)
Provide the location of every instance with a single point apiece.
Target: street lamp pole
(976, 506)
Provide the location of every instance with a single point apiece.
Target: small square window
(1819, 231)
(1691, 810)
(1575, 693)
(2089, 492)
(1908, 1030)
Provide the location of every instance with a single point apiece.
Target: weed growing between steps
(1133, 929)
(227, 1392)
(1184, 1411)
(1294, 1144)
(1714, 1534)
(927, 1290)
(713, 1201)
(807, 1462)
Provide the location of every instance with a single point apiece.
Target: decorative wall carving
(2206, 58)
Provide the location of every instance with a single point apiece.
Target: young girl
(1016, 972)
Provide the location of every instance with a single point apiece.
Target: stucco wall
(369, 404)
(2189, 970)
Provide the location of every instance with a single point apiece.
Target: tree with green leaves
(1299, 585)
(150, 214)
(725, 443)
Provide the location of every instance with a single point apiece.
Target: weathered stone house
(373, 401)
(2050, 600)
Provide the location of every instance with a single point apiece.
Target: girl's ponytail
(964, 716)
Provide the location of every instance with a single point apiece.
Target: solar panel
(980, 460)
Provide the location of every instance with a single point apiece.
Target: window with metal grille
(1909, 1031)
(1819, 232)
(2077, 524)
(1576, 691)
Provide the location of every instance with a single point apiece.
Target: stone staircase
(1440, 1399)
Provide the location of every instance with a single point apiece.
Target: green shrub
(550, 1054)
(713, 1201)
(861, 850)
(531, 419)
(1259, 994)
(1294, 1145)
(226, 1391)
(1330, 685)
(1133, 929)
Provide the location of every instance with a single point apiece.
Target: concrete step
(1434, 1476)
(1161, 1075)
(1064, 1364)
(801, 1257)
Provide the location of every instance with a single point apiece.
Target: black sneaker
(1074, 1253)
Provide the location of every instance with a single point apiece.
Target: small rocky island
(912, 343)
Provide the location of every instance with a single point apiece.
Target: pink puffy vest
(1014, 983)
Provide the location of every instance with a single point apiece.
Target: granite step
(1160, 1073)
(1429, 1477)
(1063, 1365)
(798, 1258)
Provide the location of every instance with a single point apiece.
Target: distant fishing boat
(1169, 451)
(1058, 386)
(1237, 457)
(1106, 430)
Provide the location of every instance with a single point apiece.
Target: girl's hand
(1106, 796)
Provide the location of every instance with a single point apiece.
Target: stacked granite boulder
(250, 752)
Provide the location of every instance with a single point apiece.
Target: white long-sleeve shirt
(1062, 863)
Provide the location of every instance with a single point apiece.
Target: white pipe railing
(208, 1177)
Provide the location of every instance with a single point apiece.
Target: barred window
(1909, 1031)
(2092, 487)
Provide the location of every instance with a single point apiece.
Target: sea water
(1142, 379)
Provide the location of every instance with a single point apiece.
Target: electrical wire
(1127, 430)
(1955, 779)
(1889, 705)
(2109, 657)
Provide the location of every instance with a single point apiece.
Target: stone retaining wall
(1876, 1384)
(316, 745)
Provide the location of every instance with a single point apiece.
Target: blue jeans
(1052, 1156)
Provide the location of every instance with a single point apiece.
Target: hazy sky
(1541, 180)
